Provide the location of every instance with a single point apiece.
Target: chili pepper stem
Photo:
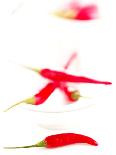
(31, 68)
(76, 95)
(19, 147)
(40, 144)
(28, 100)
(85, 97)
(27, 67)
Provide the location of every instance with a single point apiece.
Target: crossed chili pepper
(58, 79)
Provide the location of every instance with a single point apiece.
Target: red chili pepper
(60, 140)
(38, 98)
(64, 77)
(87, 13)
(59, 80)
(75, 11)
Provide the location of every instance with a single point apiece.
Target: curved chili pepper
(38, 98)
(64, 77)
(60, 140)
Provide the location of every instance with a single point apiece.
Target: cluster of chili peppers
(59, 140)
(76, 11)
(59, 80)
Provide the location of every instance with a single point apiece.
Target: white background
(31, 35)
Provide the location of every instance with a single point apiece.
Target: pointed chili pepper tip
(108, 83)
(95, 143)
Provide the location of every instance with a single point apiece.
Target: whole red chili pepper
(60, 140)
(38, 98)
(64, 77)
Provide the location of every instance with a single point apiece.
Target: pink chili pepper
(87, 13)
(75, 11)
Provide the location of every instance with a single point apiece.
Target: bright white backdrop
(30, 35)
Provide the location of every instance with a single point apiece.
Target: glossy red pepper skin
(39, 98)
(59, 140)
(64, 77)
(43, 95)
(67, 139)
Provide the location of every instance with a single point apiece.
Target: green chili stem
(32, 69)
(28, 100)
(19, 147)
(40, 144)
(85, 97)
(13, 106)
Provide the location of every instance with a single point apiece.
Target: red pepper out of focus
(76, 11)
(60, 140)
(86, 13)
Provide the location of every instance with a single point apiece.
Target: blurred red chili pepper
(38, 98)
(72, 57)
(60, 140)
(87, 13)
(78, 12)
